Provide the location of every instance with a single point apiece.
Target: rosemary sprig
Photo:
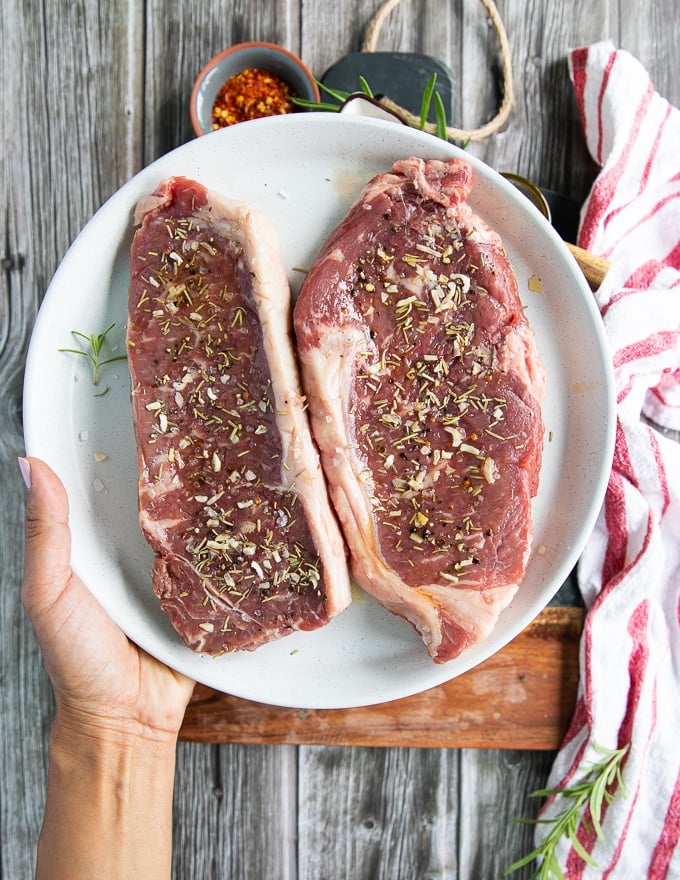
(429, 95)
(600, 786)
(93, 353)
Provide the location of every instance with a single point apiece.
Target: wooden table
(92, 91)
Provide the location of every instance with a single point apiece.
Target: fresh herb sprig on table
(430, 94)
(339, 95)
(93, 352)
(601, 784)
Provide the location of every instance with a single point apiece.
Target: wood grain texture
(522, 697)
(393, 813)
(61, 159)
(494, 792)
(91, 90)
(181, 38)
(235, 812)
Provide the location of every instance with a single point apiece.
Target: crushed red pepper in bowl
(247, 81)
(251, 94)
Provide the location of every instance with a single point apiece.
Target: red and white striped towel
(629, 574)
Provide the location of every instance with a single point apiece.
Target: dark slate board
(401, 76)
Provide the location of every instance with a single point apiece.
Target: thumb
(47, 565)
(58, 604)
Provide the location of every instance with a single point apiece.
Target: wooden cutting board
(521, 698)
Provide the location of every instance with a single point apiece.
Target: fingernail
(25, 469)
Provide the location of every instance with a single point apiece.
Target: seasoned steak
(231, 494)
(424, 387)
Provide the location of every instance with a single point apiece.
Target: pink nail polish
(25, 469)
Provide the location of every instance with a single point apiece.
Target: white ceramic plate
(304, 171)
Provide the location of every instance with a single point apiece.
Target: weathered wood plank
(494, 793)
(543, 139)
(522, 697)
(62, 157)
(378, 814)
(235, 812)
(652, 37)
(533, 142)
(434, 814)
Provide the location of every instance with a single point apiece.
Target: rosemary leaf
(427, 98)
(365, 88)
(578, 846)
(315, 105)
(597, 796)
(440, 117)
(338, 94)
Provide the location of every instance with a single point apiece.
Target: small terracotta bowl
(266, 56)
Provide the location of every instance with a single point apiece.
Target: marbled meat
(424, 386)
(232, 497)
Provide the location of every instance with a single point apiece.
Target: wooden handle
(593, 267)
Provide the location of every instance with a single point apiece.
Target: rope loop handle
(456, 134)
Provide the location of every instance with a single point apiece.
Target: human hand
(102, 681)
(108, 809)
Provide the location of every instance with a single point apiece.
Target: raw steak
(231, 493)
(424, 389)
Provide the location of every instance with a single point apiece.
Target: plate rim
(385, 129)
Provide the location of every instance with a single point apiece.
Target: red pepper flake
(250, 94)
